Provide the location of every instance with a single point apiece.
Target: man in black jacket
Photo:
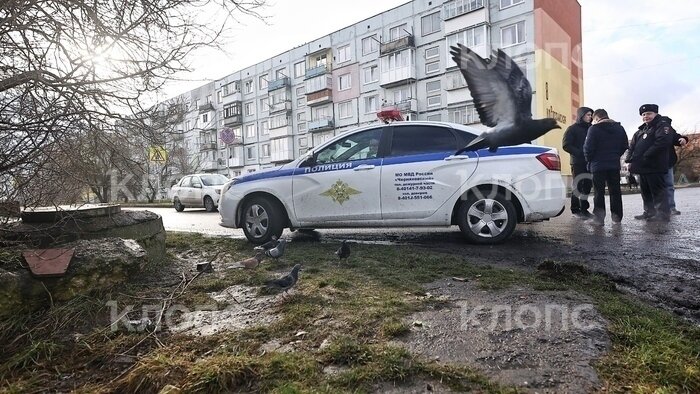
(572, 142)
(605, 144)
(648, 157)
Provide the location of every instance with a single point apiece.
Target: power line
(642, 24)
(645, 66)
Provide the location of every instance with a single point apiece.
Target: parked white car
(198, 191)
(401, 174)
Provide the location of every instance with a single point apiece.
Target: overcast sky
(634, 52)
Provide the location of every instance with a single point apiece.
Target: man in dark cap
(572, 142)
(649, 157)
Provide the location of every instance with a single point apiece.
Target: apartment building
(273, 111)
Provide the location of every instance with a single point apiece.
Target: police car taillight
(550, 160)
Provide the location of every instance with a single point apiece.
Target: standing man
(678, 140)
(605, 144)
(572, 142)
(648, 157)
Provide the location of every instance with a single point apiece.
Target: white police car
(400, 175)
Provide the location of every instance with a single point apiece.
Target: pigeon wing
(522, 91)
(489, 83)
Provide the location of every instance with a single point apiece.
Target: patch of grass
(357, 306)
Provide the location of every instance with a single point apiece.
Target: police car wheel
(178, 205)
(262, 219)
(487, 219)
(209, 204)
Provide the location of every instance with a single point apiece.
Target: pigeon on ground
(278, 250)
(268, 245)
(252, 262)
(286, 282)
(502, 96)
(343, 251)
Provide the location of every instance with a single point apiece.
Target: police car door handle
(456, 157)
(364, 167)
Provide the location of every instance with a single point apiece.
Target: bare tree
(688, 164)
(73, 73)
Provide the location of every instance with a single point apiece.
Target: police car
(401, 174)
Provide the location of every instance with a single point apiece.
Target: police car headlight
(228, 185)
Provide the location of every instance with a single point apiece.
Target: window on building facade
(196, 104)
(264, 104)
(231, 110)
(249, 108)
(209, 99)
(369, 45)
(395, 61)
(264, 128)
(434, 101)
(343, 54)
(371, 74)
(324, 112)
(430, 23)
(248, 85)
(432, 53)
(265, 148)
(230, 88)
(250, 153)
(397, 32)
(513, 34)
(219, 96)
(345, 110)
(281, 73)
(321, 60)
(301, 127)
(434, 118)
(299, 69)
(344, 82)
(471, 38)
(401, 95)
(262, 82)
(508, 3)
(188, 125)
(371, 104)
(279, 121)
(432, 67)
(303, 142)
(301, 116)
(432, 87)
(459, 7)
(463, 115)
(250, 130)
(205, 119)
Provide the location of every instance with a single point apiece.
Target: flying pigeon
(252, 262)
(344, 251)
(502, 96)
(278, 250)
(286, 282)
(267, 245)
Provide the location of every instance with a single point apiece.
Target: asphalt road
(656, 261)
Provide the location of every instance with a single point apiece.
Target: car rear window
(412, 140)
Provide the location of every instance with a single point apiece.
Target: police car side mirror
(308, 162)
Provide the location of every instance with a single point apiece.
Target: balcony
(407, 106)
(397, 76)
(206, 108)
(397, 45)
(283, 106)
(207, 146)
(316, 71)
(278, 84)
(210, 165)
(322, 124)
(318, 98)
(233, 120)
(282, 156)
(236, 162)
(283, 131)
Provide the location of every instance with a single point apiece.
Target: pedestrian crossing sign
(157, 154)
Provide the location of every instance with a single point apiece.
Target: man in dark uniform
(573, 140)
(648, 157)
